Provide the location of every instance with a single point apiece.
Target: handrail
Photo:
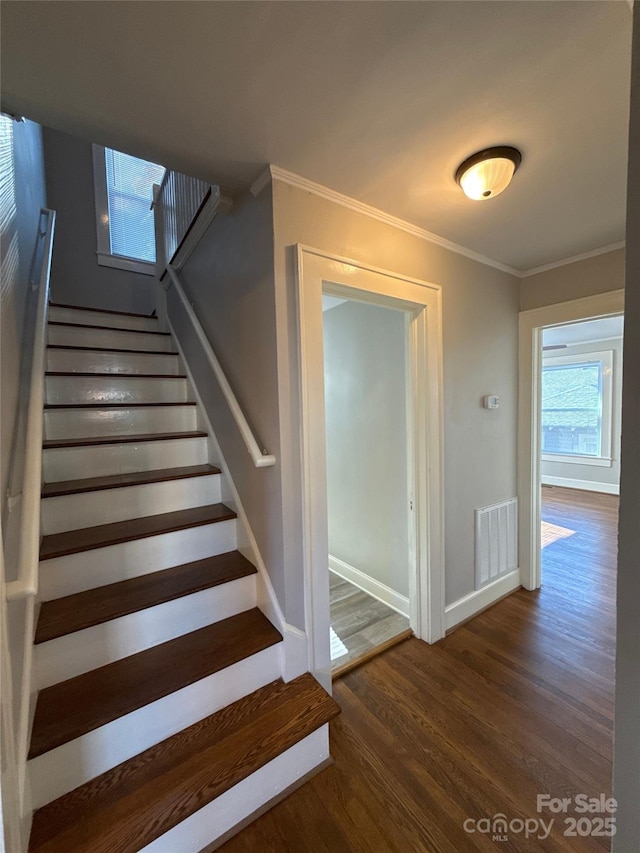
(261, 459)
(26, 583)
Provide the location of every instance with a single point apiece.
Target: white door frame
(319, 271)
(532, 323)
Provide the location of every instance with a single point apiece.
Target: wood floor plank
(518, 701)
(72, 708)
(103, 535)
(94, 606)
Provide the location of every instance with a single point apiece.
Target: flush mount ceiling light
(488, 173)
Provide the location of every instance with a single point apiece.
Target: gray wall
(480, 319)
(573, 281)
(76, 276)
(229, 280)
(626, 761)
(365, 401)
(595, 473)
(23, 194)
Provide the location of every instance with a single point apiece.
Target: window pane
(572, 409)
(129, 192)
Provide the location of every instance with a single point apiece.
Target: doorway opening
(414, 307)
(570, 373)
(367, 410)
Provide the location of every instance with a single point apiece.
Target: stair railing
(26, 583)
(261, 459)
(183, 209)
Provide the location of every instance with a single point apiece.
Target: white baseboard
(367, 584)
(480, 599)
(584, 485)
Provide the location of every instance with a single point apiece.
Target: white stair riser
(94, 361)
(63, 390)
(74, 463)
(102, 318)
(88, 569)
(77, 336)
(86, 423)
(82, 651)
(87, 509)
(231, 808)
(61, 770)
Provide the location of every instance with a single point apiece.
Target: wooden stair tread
(108, 328)
(53, 443)
(72, 708)
(108, 405)
(116, 481)
(103, 311)
(102, 535)
(94, 606)
(128, 807)
(95, 373)
(113, 349)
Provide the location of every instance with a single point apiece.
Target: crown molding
(611, 247)
(275, 173)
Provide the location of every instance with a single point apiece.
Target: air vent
(496, 541)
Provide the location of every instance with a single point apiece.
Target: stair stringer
(294, 649)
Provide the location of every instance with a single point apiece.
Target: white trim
(530, 372)
(318, 271)
(217, 203)
(376, 589)
(584, 256)
(583, 485)
(478, 600)
(271, 173)
(597, 461)
(119, 262)
(275, 173)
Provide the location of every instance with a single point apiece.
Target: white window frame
(104, 254)
(604, 357)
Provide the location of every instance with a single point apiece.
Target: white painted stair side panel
(62, 769)
(102, 318)
(107, 361)
(73, 573)
(75, 463)
(78, 336)
(71, 655)
(118, 420)
(231, 808)
(64, 390)
(88, 509)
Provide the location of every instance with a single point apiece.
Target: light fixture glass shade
(488, 173)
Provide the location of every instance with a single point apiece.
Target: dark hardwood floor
(515, 703)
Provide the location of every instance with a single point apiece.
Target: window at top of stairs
(124, 219)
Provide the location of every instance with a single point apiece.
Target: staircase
(162, 721)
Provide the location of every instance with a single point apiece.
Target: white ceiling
(377, 100)
(604, 329)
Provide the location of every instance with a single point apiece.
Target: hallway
(515, 703)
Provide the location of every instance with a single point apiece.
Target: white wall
(76, 276)
(626, 759)
(365, 401)
(593, 477)
(480, 328)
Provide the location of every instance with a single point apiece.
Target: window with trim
(576, 408)
(124, 218)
